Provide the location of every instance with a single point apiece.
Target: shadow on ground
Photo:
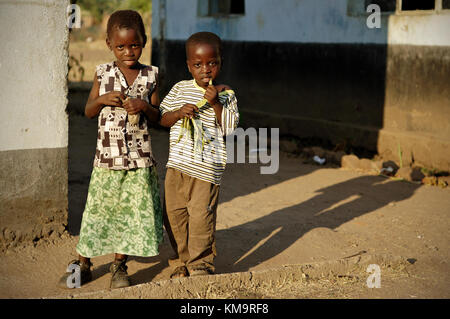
(268, 236)
(259, 239)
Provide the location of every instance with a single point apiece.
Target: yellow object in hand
(194, 130)
(132, 118)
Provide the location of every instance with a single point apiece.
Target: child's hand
(187, 110)
(211, 94)
(134, 106)
(111, 98)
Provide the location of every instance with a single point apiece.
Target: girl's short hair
(128, 19)
(204, 38)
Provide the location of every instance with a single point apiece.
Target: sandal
(179, 272)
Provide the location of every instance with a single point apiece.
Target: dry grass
(342, 286)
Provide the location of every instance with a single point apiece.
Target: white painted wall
(303, 21)
(33, 68)
(420, 29)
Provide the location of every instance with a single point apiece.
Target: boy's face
(203, 62)
(126, 45)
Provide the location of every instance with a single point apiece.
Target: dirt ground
(304, 214)
(301, 218)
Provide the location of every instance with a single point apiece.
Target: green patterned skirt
(123, 214)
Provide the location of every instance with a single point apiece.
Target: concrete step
(269, 283)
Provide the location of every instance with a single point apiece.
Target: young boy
(192, 179)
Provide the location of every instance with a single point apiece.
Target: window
(221, 7)
(385, 5)
(237, 7)
(410, 5)
(446, 4)
(358, 8)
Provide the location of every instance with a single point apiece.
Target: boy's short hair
(204, 38)
(128, 19)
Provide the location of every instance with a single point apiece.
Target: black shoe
(85, 273)
(119, 273)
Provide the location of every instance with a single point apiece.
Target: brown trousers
(190, 219)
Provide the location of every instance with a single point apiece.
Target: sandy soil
(302, 214)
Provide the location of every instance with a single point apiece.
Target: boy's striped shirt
(209, 164)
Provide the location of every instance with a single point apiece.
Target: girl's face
(204, 63)
(126, 45)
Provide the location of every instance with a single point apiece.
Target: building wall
(314, 69)
(34, 130)
(305, 21)
(417, 99)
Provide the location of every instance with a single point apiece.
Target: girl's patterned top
(120, 144)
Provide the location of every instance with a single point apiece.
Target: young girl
(123, 214)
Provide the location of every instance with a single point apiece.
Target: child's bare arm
(170, 118)
(153, 111)
(95, 102)
(212, 96)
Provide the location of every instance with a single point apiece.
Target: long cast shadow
(293, 222)
(290, 223)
